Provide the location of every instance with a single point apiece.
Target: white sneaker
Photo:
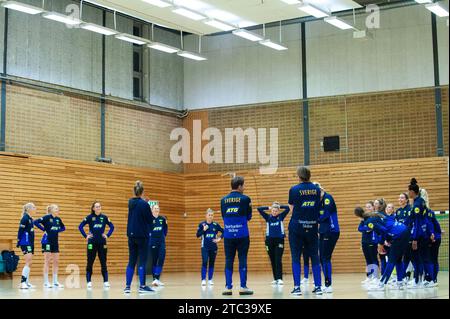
(305, 281)
(397, 286)
(160, 283)
(58, 285)
(328, 290)
(48, 285)
(211, 283)
(203, 282)
(30, 286)
(377, 287)
(427, 284)
(89, 285)
(280, 282)
(274, 282)
(366, 281)
(23, 285)
(106, 284)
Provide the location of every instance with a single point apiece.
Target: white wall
(400, 56)
(442, 31)
(241, 72)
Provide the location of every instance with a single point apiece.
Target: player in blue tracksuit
(304, 202)
(369, 243)
(25, 240)
(51, 225)
(140, 219)
(275, 238)
(379, 206)
(157, 254)
(403, 215)
(435, 244)
(397, 235)
(208, 230)
(422, 236)
(96, 244)
(236, 209)
(329, 232)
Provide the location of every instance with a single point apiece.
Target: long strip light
(313, 10)
(192, 56)
(423, 1)
(291, 1)
(98, 29)
(437, 9)
(163, 47)
(189, 14)
(159, 3)
(22, 7)
(272, 44)
(219, 25)
(248, 35)
(341, 24)
(55, 16)
(131, 39)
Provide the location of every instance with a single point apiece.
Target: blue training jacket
(236, 211)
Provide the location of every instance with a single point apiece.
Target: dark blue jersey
(387, 228)
(404, 215)
(328, 218)
(422, 226)
(97, 225)
(25, 235)
(209, 235)
(436, 227)
(305, 197)
(52, 226)
(140, 218)
(274, 224)
(236, 211)
(368, 235)
(158, 231)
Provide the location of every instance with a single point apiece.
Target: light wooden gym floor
(187, 286)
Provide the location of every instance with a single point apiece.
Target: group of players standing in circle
(412, 233)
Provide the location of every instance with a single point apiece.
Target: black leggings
(371, 254)
(94, 249)
(275, 249)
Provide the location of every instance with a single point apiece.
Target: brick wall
(372, 127)
(140, 138)
(45, 123)
(68, 126)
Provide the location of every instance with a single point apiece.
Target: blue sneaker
(127, 290)
(317, 291)
(145, 290)
(296, 291)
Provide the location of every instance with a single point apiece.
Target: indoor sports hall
(224, 149)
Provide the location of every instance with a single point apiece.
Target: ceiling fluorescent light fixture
(189, 14)
(274, 45)
(131, 38)
(159, 3)
(248, 35)
(333, 20)
(423, 1)
(219, 25)
(437, 9)
(192, 56)
(291, 1)
(314, 11)
(55, 16)
(22, 7)
(98, 29)
(163, 47)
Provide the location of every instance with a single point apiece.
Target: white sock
(55, 278)
(46, 278)
(26, 272)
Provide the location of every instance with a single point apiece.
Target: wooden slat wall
(350, 184)
(73, 185)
